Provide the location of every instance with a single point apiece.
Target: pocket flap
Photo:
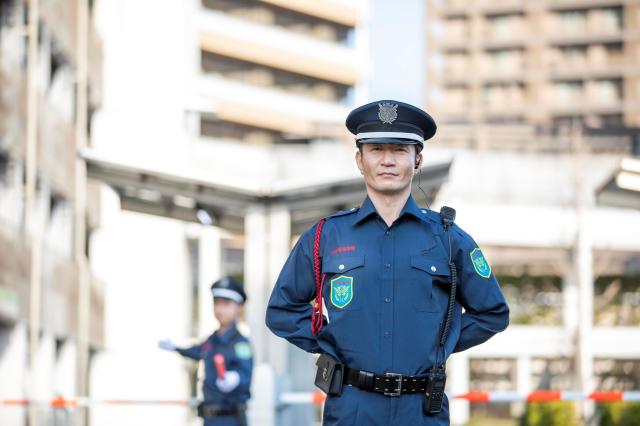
(339, 264)
(430, 266)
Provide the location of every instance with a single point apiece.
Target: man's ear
(418, 161)
(359, 161)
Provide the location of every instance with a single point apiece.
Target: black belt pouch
(329, 375)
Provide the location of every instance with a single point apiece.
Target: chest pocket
(344, 282)
(425, 272)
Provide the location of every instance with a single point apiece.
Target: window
(6, 12)
(607, 91)
(193, 249)
(218, 129)
(264, 76)
(617, 300)
(233, 262)
(268, 14)
(505, 27)
(617, 374)
(533, 300)
(613, 121)
(567, 93)
(573, 22)
(607, 20)
(553, 373)
(4, 168)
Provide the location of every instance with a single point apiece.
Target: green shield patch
(341, 291)
(480, 264)
(243, 350)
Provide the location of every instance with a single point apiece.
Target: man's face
(387, 168)
(226, 311)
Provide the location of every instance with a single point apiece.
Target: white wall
(13, 357)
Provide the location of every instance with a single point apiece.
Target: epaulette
(344, 212)
(431, 215)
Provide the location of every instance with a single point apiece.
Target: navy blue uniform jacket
(238, 357)
(386, 293)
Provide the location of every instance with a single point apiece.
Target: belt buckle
(398, 379)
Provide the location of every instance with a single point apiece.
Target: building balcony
(584, 105)
(264, 107)
(454, 8)
(504, 109)
(274, 47)
(342, 12)
(559, 36)
(499, 7)
(512, 39)
(490, 7)
(586, 71)
(581, 4)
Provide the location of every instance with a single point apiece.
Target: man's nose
(388, 157)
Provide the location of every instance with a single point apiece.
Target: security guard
(394, 278)
(226, 385)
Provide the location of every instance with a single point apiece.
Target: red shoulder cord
(316, 315)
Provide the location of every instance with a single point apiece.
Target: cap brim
(390, 141)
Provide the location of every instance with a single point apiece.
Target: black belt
(213, 410)
(389, 384)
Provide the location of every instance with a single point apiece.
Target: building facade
(42, 340)
(539, 103)
(544, 62)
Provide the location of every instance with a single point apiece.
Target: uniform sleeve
(486, 311)
(289, 310)
(192, 352)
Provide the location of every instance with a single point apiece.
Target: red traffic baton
(218, 360)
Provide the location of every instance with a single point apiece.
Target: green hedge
(560, 413)
(619, 414)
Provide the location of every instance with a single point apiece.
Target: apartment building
(44, 348)
(213, 111)
(539, 102)
(275, 72)
(538, 62)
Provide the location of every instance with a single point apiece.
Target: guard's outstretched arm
(193, 352)
(486, 311)
(289, 310)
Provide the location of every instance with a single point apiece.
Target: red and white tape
(316, 398)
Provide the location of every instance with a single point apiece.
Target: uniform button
(388, 265)
(433, 269)
(341, 267)
(387, 333)
(423, 211)
(387, 299)
(387, 233)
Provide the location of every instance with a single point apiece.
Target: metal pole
(31, 160)
(583, 263)
(84, 284)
